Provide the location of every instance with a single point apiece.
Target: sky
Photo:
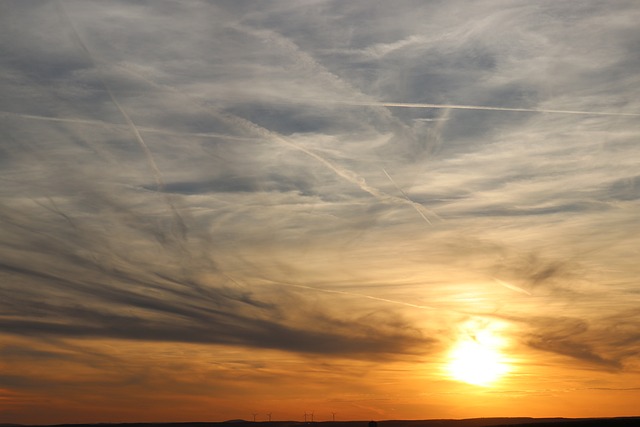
(214, 209)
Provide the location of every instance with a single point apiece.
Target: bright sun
(477, 360)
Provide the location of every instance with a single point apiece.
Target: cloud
(329, 184)
(565, 336)
(124, 295)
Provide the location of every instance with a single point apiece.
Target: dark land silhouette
(470, 422)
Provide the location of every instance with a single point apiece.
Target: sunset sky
(379, 209)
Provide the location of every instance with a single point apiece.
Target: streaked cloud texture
(215, 208)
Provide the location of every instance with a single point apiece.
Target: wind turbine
(254, 417)
(334, 415)
(269, 415)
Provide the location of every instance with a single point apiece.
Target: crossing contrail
(346, 174)
(417, 206)
(132, 126)
(125, 115)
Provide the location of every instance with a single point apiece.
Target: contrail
(417, 206)
(58, 119)
(347, 174)
(127, 118)
(512, 287)
(151, 161)
(481, 107)
(143, 145)
(431, 120)
(142, 129)
(353, 294)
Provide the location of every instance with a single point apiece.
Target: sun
(477, 360)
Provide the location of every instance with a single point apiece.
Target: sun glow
(476, 359)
